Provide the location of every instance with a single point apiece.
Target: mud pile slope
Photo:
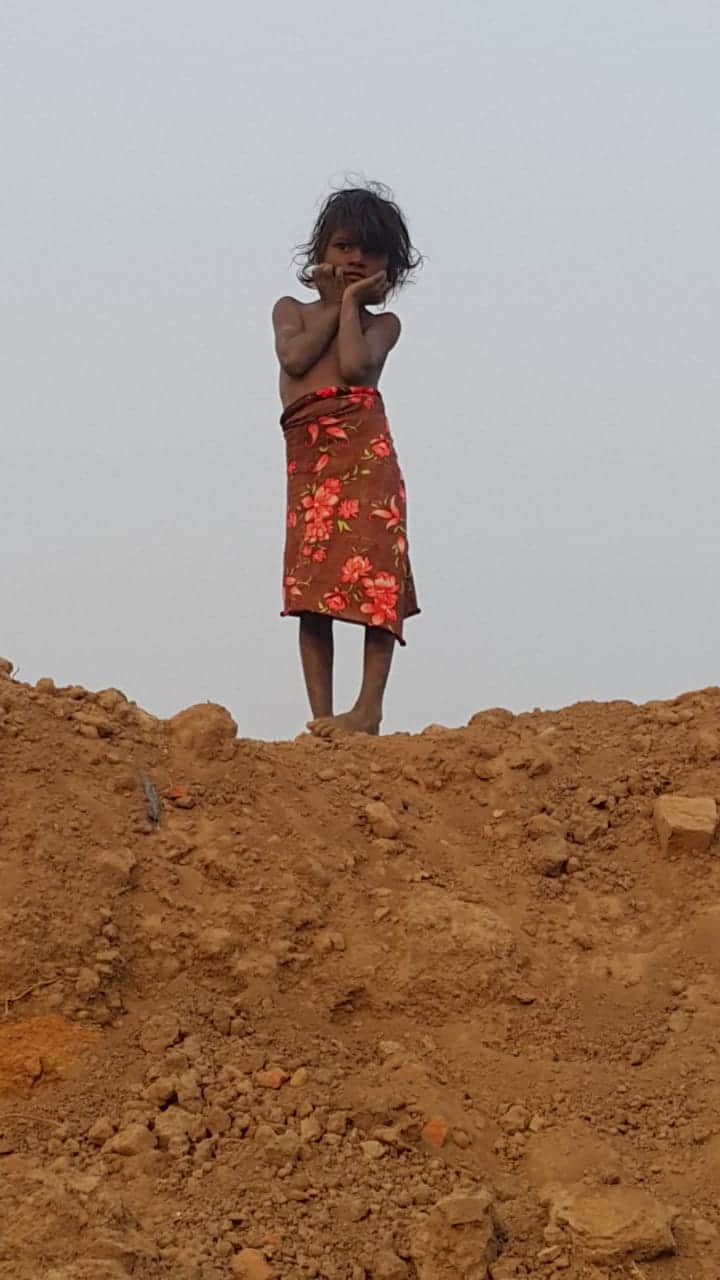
(414, 1008)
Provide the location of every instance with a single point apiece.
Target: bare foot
(350, 722)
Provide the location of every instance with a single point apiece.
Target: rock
(45, 685)
(373, 1150)
(173, 1128)
(271, 1078)
(381, 820)
(541, 824)
(506, 1269)
(189, 1093)
(388, 1266)
(131, 1141)
(110, 699)
(217, 1120)
(87, 983)
(487, 770)
(95, 719)
(161, 1090)
(614, 1223)
(101, 1131)
(705, 1232)
(384, 848)
(119, 865)
(337, 1122)
(435, 1131)
(311, 1129)
(206, 729)
(389, 1048)
(459, 1210)
(6, 667)
(684, 824)
(456, 1239)
(248, 1264)
(159, 1033)
(549, 1254)
(550, 855)
(299, 1078)
(533, 760)
(585, 827)
(516, 1119)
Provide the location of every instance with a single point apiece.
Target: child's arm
(302, 334)
(362, 355)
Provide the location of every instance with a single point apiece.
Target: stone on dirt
(206, 729)
(131, 1141)
(686, 824)
(458, 1238)
(614, 1223)
(382, 820)
(248, 1264)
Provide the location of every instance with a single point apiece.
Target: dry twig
(47, 982)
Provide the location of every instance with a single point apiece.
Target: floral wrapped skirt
(346, 552)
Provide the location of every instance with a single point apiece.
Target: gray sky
(554, 396)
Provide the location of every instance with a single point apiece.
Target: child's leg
(366, 715)
(316, 653)
(379, 650)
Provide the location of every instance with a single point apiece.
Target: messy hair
(371, 215)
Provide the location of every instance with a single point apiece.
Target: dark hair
(371, 215)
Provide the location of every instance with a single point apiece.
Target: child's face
(357, 263)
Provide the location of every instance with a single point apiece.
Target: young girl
(346, 554)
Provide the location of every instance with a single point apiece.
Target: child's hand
(369, 292)
(329, 282)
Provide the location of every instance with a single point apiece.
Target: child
(346, 554)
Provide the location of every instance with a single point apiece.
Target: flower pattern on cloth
(346, 549)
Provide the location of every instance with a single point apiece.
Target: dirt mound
(421, 1007)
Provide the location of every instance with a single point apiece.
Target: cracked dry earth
(409, 1008)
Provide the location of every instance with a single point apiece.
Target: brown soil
(338, 982)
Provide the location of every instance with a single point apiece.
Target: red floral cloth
(346, 553)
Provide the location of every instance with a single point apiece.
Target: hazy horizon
(554, 396)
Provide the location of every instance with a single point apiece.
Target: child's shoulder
(288, 301)
(386, 322)
(288, 308)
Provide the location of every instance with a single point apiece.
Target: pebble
(435, 1131)
(388, 1266)
(388, 1048)
(311, 1129)
(373, 1150)
(248, 1264)
(131, 1141)
(101, 1131)
(381, 820)
(271, 1078)
(550, 855)
(516, 1119)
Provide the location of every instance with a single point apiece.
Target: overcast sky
(554, 396)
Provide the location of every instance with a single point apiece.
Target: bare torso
(326, 371)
